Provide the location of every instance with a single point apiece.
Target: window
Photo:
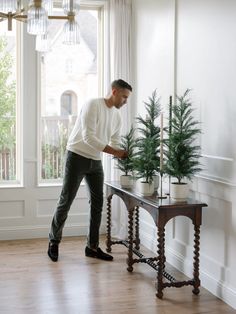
(69, 66)
(68, 76)
(9, 163)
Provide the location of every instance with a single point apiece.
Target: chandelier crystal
(71, 33)
(8, 6)
(37, 20)
(48, 5)
(71, 6)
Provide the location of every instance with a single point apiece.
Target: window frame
(18, 182)
(99, 6)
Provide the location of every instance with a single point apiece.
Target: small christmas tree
(147, 126)
(128, 144)
(147, 159)
(144, 162)
(182, 155)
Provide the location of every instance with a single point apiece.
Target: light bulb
(37, 20)
(71, 33)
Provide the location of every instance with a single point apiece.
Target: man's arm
(89, 123)
(119, 153)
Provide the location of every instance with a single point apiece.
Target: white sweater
(95, 127)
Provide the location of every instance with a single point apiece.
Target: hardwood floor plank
(32, 283)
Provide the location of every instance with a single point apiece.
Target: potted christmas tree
(147, 161)
(182, 154)
(145, 165)
(125, 165)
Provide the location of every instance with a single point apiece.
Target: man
(97, 129)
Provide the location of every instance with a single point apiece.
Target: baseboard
(216, 287)
(41, 231)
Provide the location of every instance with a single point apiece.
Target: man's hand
(121, 154)
(118, 153)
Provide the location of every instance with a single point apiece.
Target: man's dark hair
(121, 84)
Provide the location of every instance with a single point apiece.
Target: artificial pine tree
(147, 126)
(128, 144)
(147, 159)
(182, 155)
(144, 162)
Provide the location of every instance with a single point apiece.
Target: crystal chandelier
(37, 13)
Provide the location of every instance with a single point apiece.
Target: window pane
(7, 103)
(69, 76)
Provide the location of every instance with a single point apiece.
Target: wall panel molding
(41, 231)
(219, 180)
(217, 157)
(12, 209)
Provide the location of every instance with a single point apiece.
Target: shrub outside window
(9, 163)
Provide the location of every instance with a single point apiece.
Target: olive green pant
(78, 168)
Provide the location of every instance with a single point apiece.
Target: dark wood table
(161, 210)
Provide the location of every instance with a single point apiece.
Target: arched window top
(69, 103)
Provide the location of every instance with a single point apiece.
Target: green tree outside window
(7, 106)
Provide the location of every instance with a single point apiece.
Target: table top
(153, 200)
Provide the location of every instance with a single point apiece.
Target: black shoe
(98, 254)
(53, 251)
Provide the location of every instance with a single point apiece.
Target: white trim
(56, 183)
(11, 185)
(19, 104)
(217, 157)
(217, 287)
(38, 119)
(18, 57)
(41, 231)
(216, 180)
(82, 3)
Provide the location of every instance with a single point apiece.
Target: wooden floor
(31, 283)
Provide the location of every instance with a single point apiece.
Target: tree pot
(145, 188)
(126, 181)
(179, 191)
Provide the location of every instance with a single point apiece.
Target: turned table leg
(196, 260)
(161, 260)
(108, 241)
(137, 239)
(130, 240)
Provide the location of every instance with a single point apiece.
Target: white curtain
(117, 64)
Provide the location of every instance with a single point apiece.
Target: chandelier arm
(23, 17)
(3, 15)
(20, 17)
(9, 22)
(58, 17)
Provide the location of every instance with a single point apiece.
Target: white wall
(191, 44)
(153, 46)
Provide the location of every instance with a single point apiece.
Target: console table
(161, 210)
